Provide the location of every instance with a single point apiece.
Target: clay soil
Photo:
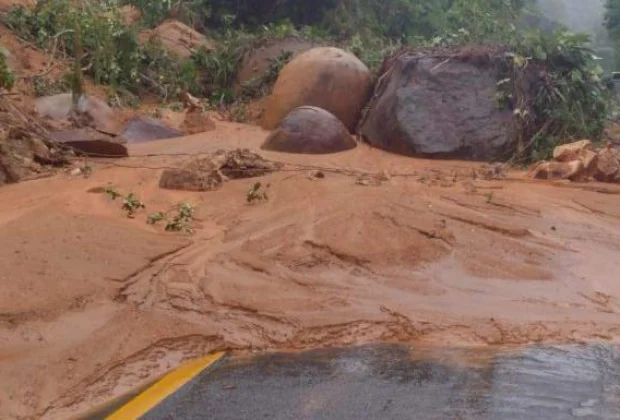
(382, 249)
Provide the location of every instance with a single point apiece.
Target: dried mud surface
(382, 249)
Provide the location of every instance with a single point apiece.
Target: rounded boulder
(310, 130)
(324, 77)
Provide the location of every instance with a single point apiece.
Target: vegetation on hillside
(571, 103)
(7, 79)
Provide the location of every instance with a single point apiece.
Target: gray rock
(58, 107)
(91, 142)
(310, 130)
(140, 129)
(438, 107)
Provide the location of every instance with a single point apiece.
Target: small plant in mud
(257, 193)
(156, 217)
(239, 112)
(111, 192)
(132, 205)
(7, 79)
(490, 196)
(182, 221)
(86, 170)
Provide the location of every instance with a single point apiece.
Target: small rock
(571, 151)
(589, 159)
(315, 175)
(197, 121)
(608, 165)
(141, 129)
(558, 170)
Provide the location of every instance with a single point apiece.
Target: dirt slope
(93, 303)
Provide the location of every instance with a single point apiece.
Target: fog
(578, 15)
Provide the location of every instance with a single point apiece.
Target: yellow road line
(163, 388)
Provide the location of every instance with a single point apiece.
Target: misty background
(583, 16)
(578, 15)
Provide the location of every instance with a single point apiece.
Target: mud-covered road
(382, 249)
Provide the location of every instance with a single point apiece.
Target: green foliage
(153, 12)
(44, 86)
(111, 192)
(112, 54)
(570, 102)
(182, 221)
(612, 19)
(156, 217)
(261, 85)
(7, 79)
(239, 112)
(132, 204)
(257, 193)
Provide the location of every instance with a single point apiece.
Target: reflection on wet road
(398, 382)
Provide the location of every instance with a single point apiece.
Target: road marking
(163, 388)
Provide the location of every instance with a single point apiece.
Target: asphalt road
(397, 382)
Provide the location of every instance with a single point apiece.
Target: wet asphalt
(397, 382)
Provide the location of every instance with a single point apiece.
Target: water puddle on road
(400, 382)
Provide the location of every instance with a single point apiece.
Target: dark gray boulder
(310, 130)
(91, 142)
(439, 106)
(141, 129)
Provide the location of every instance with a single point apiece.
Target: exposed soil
(381, 248)
(350, 248)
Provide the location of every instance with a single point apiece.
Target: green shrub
(7, 79)
(112, 54)
(572, 101)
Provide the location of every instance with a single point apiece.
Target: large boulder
(140, 129)
(439, 106)
(325, 77)
(177, 38)
(91, 142)
(311, 130)
(608, 165)
(59, 107)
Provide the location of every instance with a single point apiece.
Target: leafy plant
(112, 54)
(43, 86)
(570, 101)
(7, 79)
(132, 204)
(261, 85)
(257, 193)
(181, 222)
(111, 192)
(156, 217)
(239, 112)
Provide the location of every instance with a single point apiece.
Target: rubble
(210, 172)
(578, 162)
